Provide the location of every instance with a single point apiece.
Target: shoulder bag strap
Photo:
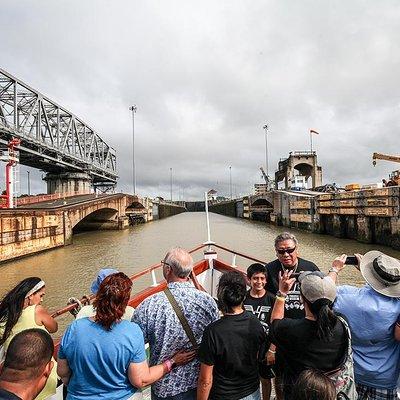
(181, 317)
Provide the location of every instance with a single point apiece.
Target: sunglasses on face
(283, 251)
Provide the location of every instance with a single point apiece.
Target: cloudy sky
(207, 75)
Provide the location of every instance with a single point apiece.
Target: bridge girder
(53, 138)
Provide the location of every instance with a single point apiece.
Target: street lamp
(230, 180)
(170, 172)
(133, 109)
(265, 127)
(29, 183)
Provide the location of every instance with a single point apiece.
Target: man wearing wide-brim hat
(373, 313)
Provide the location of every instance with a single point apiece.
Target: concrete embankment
(369, 216)
(164, 209)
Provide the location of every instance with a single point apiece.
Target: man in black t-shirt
(286, 247)
(229, 347)
(259, 302)
(287, 251)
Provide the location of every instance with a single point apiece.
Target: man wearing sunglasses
(286, 247)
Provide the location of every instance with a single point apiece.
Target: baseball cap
(103, 273)
(315, 285)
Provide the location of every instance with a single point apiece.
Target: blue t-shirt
(372, 318)
(99, 359)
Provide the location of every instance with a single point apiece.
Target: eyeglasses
(283, 251)
(162, 262)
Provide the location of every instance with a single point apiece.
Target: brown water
(69, 271)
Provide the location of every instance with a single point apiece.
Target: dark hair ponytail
(12, 305)
(326, 318)
(231, 291)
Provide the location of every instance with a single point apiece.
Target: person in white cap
(88, 310)
(373, 313)
(318, 341)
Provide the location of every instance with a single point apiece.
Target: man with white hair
(163, 330)
(373, 313)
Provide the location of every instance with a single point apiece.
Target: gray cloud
(207, 75)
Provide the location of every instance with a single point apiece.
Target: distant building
(212, 195)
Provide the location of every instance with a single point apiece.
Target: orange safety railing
(199, 267)
(46, 197)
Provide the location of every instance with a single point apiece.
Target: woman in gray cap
(319, 341)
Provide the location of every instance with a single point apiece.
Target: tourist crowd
(284, 326)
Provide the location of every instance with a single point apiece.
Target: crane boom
(386, 157)
(264, 175)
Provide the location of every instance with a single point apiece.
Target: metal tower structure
(52, 138)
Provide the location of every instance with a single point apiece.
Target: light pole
(133, 109)
(230, 180)
(29, 183)
(265, 127)
(170, 172)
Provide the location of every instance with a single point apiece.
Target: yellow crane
(386, 157)
(394, 177)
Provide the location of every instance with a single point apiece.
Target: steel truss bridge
(52, 138)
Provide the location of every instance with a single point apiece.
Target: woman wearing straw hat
(21, 309)
(373, 313)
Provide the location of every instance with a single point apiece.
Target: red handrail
(85, 299)
(239, 254)
(148, 270)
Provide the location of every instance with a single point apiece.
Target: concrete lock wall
(370, 216)
(225, 208)
(24, 233)
(166, 210)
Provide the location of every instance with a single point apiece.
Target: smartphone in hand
(351, 260)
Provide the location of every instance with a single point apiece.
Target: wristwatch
(334, 270)
(280, 294)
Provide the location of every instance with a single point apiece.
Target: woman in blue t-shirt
(103, 357)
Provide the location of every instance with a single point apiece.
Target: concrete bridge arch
(101, 213)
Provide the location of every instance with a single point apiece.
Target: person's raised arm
(205, 381)
(285, 284)
(397, 331)
(42, 317)
(63, 370)
(141, 375)
(337, 266)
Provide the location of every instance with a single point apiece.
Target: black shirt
(6, 395)
(300, 348)
(293, 306)
(261, 307)
(231, 345)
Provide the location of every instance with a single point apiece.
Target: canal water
(69, 271)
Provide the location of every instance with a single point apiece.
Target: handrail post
(234, 260)
(153, 278)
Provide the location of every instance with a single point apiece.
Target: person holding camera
(373, 313)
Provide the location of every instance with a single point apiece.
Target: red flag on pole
(312, 131)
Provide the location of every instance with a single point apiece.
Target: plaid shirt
(165, 335)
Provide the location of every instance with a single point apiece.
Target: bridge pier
(68, 183)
